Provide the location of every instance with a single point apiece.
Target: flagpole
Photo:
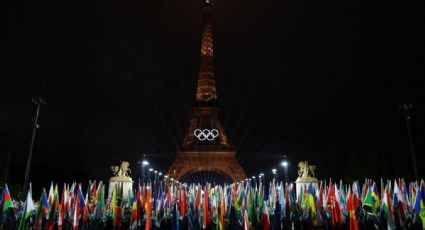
(6, 173)
(405, 108)
(38, 102)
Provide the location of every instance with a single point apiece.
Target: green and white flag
(29, 209)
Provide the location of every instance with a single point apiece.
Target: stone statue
(122, 170)
(306, 176)
(121, 180)
(311, 169)
(305, 170)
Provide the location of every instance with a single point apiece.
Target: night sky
(315, 80)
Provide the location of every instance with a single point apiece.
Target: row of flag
(245, 205)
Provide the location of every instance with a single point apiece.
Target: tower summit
(205, 147)
(206, 90)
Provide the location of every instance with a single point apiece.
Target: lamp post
(149, 174)
(38, 102)
(407, 117)
(285, 165)
(274, 171)
(144, 163)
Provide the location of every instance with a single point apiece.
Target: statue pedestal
(123, 183)
(303, 183)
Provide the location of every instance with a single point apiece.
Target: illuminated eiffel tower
(206, 147)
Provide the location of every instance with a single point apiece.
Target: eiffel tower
(206, 146)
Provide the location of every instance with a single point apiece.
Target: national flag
(277, 214)
(28, 210)
(309, 205)
(351, 211)
(287, 207)
(51, 192)
(6, 199)
(356, 195)
(175, 218)
(265, 216)
(246, 225)
(114, 207)
(93, 191)
(387, 208)
(100, 201)
(54, 207)
(43, 209)
(221, 212)
(369, 203)
(419, 204)
(148, 224)
(418, 199)
(86, 210)
(375, 196)
(139, 203)
(334, 206)
(205, 208)
(62, 207)
(182, 201)
(198, 198)
(399, 202)
(133, 218)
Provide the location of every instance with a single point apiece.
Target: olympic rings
(206, 134)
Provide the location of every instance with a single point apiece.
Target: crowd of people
(243, 205)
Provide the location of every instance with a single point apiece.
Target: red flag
(76, 212)
(62, 208)
(205, 208)
(351, 211)
(287, 208)
(332, 203)
(182, 202)
(139, 203)
(117, 219)
(144, 197)
(198, 198)
(265, 217)
(86, 213)
(149, 209)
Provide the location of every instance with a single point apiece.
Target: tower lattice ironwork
(206, 146)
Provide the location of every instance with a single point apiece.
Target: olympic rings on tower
(206, 134)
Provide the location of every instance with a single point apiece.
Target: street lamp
(285, 165)
(144, 163)
(407, 117)
(38, 102)
(261, 176)
(274, 171)
(149, 174)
